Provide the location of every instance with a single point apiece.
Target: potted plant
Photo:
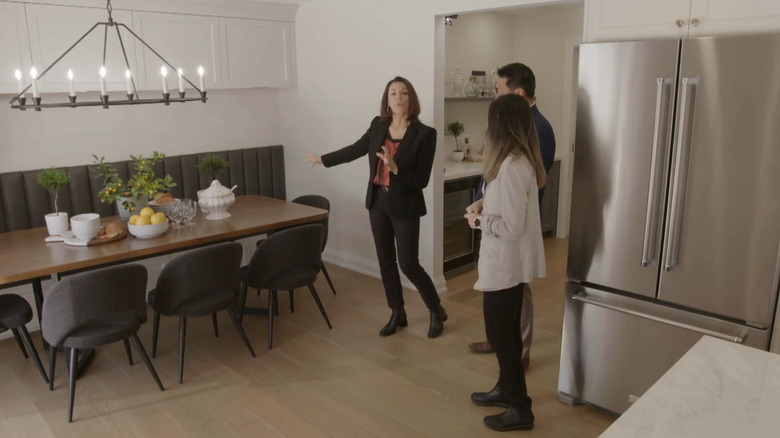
(455, 129)
(54, 180)
(134, 193)
(216, 199)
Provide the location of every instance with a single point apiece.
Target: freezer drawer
(609, 357)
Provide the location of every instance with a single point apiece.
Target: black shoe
(397, 319)
(513, 418)
(438, 316)
(493, 398)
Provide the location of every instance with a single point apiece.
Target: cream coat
(512, 251)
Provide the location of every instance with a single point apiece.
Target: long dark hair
(385, 115)
(511, 130)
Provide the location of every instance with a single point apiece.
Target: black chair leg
(155, 331)
(216, 326)
(72, 375)
(140, 348)
(319, 304)
(19, 341)
(241, 331)
(292, 301)
(182, 336)
(327, 277)
(30, 346)
(242, 300)
(52, 363)
(271, 306)
(127, 350)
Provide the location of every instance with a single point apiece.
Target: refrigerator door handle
(739, 338)
(660, 135)
(683, 149)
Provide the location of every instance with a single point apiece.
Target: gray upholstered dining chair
(322, 202)
(285, 260)
(15, 313)
(197, 283)
(95, 308)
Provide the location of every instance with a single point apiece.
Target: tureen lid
(216, 190)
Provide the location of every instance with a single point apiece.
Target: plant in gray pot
(53, 180)
(216, 199)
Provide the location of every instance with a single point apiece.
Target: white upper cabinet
(610, 20)
(53, 29)
(257, 53)
(14, 49)
(185, 41)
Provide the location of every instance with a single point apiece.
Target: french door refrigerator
(675, 224)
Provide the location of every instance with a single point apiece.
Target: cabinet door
(53, 29)
(14, 47)
(186, 41)
(256, 53)
(612, 20)
(721, 17)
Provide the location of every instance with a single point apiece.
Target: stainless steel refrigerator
(675, 224)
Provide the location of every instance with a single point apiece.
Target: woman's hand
(312, 159)
(471, 217)
(388, 160)
(476, 207)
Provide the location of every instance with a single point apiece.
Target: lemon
(142, 220)
(146, 211)
(158, 218)
(134, 219)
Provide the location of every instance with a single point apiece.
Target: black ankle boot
(514, 418)
(397, 319)
(438, 316)
(494, 397)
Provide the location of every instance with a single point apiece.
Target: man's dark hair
(519, 76)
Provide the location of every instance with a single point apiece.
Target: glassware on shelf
(457, 82)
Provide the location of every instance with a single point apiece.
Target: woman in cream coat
(511, 252)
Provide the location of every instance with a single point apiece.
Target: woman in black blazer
(400, 153)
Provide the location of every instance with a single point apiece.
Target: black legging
(502, 318)
(391, 233)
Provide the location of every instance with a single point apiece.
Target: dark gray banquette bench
(24, 203)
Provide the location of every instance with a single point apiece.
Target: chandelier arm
(158, 55)
(124, 54)
(58, 59)
(105, 42)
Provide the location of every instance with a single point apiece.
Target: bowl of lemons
(147, 224)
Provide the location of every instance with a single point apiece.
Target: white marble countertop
(462, 169)
(717, 389)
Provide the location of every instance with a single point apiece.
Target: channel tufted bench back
(24, 203)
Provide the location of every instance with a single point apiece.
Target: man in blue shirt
(517, 78)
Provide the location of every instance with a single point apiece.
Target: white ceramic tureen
(216, 200)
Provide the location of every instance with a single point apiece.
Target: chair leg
(52, 363)
(140, 348)
(31, 347)
(182, 336)
(319, 304)
(155, 331)
(216, 326)
(19, 341)
(327, 277)
(72, 375)
(127, 350)
(241, 331)
(292, 301)
(242, 300)
(271, 305)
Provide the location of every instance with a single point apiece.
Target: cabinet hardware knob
(695, 22)
(680, 23)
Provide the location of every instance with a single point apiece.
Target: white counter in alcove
(463, 169)
(717, 389)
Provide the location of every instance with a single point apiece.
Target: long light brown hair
(511, 130)
(386, 115)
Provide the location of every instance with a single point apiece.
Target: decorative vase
(57, 223)
(456, 155)
(123, 212)
(216, 200)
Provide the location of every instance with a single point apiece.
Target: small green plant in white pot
(53, 180)
(456, 129)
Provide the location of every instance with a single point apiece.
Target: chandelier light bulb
(102, 72)
(71, 91)
(181, 80)
(34, 76)
(129, 82)
(18, 74)
(200, 73)
(34, 73)
(70, 74)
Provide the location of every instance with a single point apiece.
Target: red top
(382, 177)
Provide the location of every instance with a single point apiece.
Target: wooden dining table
(25, 256)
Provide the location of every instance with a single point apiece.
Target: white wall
(231, 119)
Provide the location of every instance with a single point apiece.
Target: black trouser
(501, 310)
(404, 235)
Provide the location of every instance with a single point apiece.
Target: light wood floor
(345, 382)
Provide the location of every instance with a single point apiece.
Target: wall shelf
(469, 99)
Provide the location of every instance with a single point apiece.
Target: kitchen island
(717, 389)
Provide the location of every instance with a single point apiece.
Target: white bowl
(85, 226)
(147, 231)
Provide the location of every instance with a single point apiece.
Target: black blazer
(414, 158)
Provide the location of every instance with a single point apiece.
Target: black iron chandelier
(20, 100)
